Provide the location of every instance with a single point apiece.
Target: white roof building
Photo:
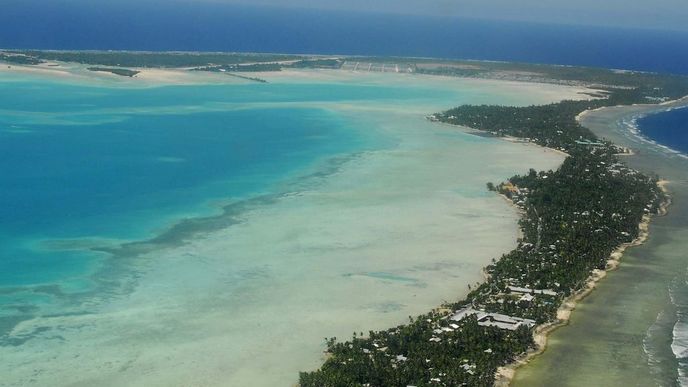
(501, 321)
(547, 292)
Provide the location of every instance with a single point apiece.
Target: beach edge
(506, 374)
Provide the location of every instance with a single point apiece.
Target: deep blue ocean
(667, 128)
(220, 27)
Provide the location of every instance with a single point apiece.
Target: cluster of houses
(501, 321)
(498, 320)
(591, 143)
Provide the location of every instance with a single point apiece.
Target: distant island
(198, 61)
(576, 221)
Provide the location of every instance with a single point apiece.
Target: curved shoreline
(577, 276)
(506, 374)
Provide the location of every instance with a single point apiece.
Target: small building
(500, 321)
(546, 292)
(589, 143)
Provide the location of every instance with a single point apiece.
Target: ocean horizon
(209, 26)
(223, 226)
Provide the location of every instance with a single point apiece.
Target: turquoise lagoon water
(83, 165)
(348, 211)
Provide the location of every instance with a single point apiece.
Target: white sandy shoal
(529, 92)
(147, 77)
(533, 92)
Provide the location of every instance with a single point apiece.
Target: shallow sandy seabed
(391, 233)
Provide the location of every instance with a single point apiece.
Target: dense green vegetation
(316, 64)
(116, 71)
(405, 356)
(555, 125)
(652, 86)
(198, 61)
(275, 66)
(19, 59)
(152, 59)
(574, 218)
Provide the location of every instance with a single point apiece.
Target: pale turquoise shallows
(214, 234)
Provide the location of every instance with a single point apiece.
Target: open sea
(210, 26)
(669, 131)
(668, 128)
(176, 234)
